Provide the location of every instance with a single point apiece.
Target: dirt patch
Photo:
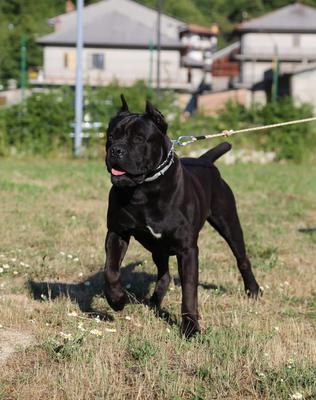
(11, 341)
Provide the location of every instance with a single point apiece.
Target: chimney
(69, 7)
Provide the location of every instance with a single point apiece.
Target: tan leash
(185, 140)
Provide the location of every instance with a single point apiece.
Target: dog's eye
(109, 137)
(138, 139)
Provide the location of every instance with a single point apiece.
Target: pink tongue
(116, 172)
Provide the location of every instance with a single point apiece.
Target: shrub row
(42, 123)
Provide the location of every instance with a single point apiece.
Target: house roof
(203, 30)
(110, 30)
(115, 23)
(226, 51)
(295, 17)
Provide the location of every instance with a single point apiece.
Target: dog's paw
(189, 327)
(154, 301)
(253, 291)
(117, 303)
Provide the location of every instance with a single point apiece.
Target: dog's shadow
(310, 231)
(137, 284)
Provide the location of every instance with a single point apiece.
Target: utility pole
(79, 89)
(275, 87)
(150, 75)
(159, 2)
(23, 66)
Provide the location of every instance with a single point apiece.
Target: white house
(120, 38)
(287, 35)
(119, 44)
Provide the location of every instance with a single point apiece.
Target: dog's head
(136, 144)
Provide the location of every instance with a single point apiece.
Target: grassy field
(52, 229)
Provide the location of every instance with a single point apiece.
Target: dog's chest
(155, 234)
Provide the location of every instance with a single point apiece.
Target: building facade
(286, 36)
(120, 43)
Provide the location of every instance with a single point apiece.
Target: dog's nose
(117, 152)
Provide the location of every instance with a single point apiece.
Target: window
(296, 40)
(66, 61)
(97, 61)
(70, 60)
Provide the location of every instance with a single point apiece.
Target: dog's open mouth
(121, 177)
(117, 172)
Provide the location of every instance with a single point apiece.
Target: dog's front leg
(115, 248)
(189, 271)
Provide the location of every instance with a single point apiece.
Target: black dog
(164, 201)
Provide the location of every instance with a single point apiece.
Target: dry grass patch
(52, 237)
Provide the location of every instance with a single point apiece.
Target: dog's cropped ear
(156, 116)
(124, 106)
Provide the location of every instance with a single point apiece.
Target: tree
(29, 18)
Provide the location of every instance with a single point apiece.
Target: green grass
(52, 230)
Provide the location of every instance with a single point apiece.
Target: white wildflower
(6, 266)
(62, 253)
(15, 272)
(296, 396)
(67, 336)
(80, 274)
(110, 330)
(81, 327)
(128, 317)
(96, 332)
(1, 270)
(72, 314)
(76, 259)
(70, 256)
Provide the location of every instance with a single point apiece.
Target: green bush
(43, 122)
(293, 142)
(3, 141)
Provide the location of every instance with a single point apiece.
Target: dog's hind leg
(224, 219)
(163, 279)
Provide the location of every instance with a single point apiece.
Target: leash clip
(184, 140)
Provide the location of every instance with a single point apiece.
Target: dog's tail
(217, 151)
